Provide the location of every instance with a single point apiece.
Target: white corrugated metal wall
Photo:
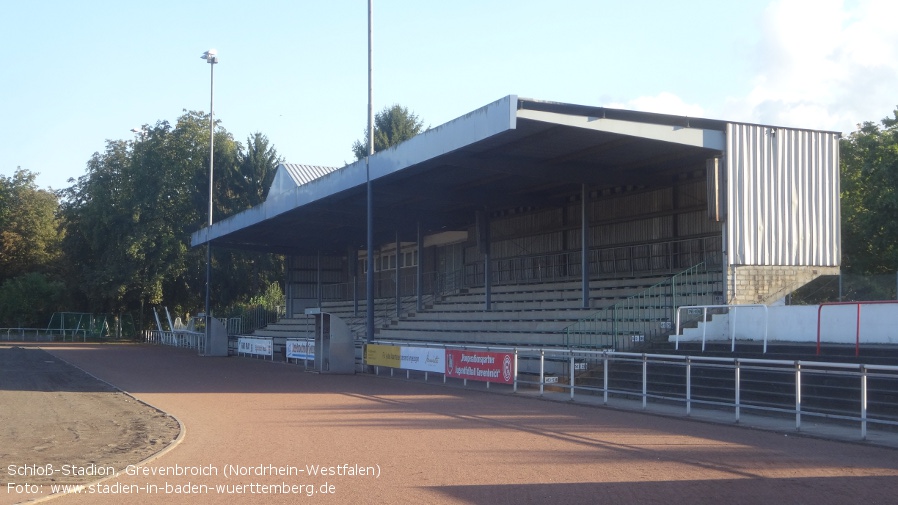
(782, 196)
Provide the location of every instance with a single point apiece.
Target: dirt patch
(60, 425)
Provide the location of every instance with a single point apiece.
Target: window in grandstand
(386, 262)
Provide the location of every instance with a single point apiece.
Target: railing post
(542, 370)
(863, 402)
(688, 386)
(572, 375)
(797, 396)
(704, 326)
(738, 389)
(677, 330)
(645, 381)
(605, 377)
(515, 386)
(614, 322)
(733, 328)
(673, 292)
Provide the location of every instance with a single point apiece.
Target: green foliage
(272, 297)
(850, 288)
(392, 125)
(29, 228)
(28, 301)
(257, 163)
(130, 216)
(869, 183)
(259, 310)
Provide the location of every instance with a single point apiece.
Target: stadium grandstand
(535, 223)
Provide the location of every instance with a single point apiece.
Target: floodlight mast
(369, 190)
(211, 56)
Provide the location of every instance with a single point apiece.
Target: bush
(29, 300)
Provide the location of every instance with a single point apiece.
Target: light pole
(211, 56)
(369, 190)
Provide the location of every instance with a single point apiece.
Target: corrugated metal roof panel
(306, 173)
(292, 175)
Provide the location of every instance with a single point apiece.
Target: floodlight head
(211, 56)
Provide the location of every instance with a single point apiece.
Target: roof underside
(543, 155)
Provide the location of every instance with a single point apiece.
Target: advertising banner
(301, 349)
(480, 366)
(423, 359)
(257, 346)
(383, 355)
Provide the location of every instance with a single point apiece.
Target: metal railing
(657, 304)
(636, 259)
(433, 284)
(253, 318)
(42, 335)
(181, 338)
(857, 342)
(646, 315)
(629, 260)
(732, 309)
(800, 385)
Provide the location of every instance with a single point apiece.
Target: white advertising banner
(301, 349)
(423, 359)
(257, 346)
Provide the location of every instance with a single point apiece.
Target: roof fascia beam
(696, 137)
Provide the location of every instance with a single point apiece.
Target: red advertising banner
(480, 366)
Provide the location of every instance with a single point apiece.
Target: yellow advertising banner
(383, 355)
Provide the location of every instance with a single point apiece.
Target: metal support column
(584, 247)
(318, 279)
(419, 270)
(354, 269)
(483, 240)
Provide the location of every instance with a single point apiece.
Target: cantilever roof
(511, 153)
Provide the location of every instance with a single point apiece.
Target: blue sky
(75, 74)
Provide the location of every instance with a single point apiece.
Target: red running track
(432, 444)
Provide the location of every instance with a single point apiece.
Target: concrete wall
(798, 323)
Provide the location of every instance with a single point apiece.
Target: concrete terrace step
(521, 314)
(576, 284)
(500, 315)
(474, 338)
(484, 325)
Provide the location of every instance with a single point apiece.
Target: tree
(130, 216)
(392, 125)
(29, 226)
(869, 194)
(255, 169)
(29, 300)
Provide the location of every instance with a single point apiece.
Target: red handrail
(857, 337)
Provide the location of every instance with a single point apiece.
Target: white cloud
(662, 103)
(823, 64)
